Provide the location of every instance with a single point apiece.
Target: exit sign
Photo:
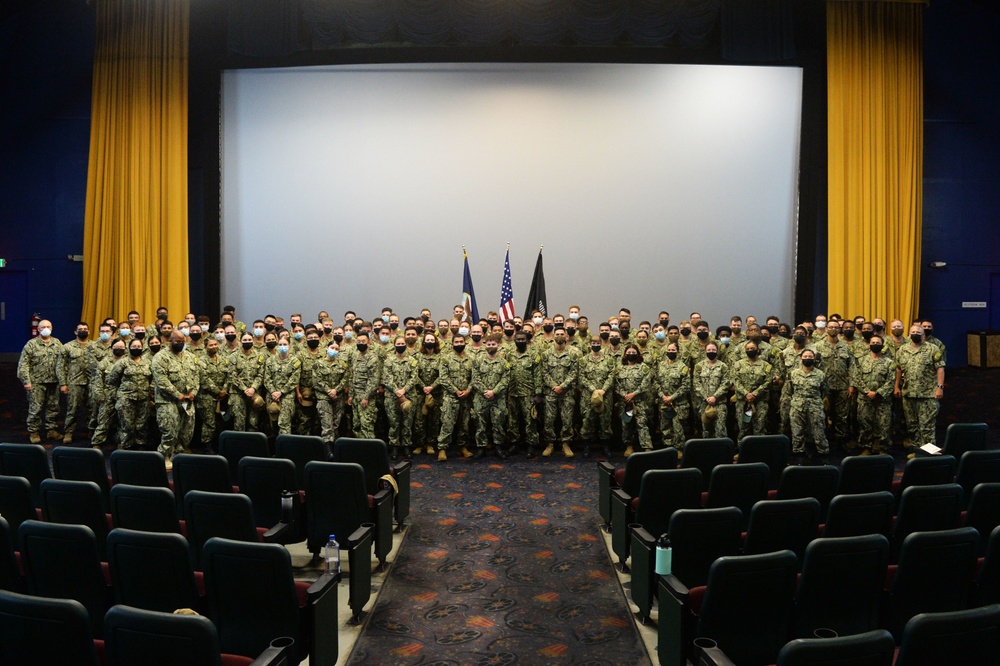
(974, 304)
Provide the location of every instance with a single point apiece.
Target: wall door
(15, 320)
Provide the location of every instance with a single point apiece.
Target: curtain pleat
(135, 225)
(875, 135)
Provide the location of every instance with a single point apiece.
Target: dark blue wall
(961, 167)
(46, 64)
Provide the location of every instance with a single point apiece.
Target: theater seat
(36, 631)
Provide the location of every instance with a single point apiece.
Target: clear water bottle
(332, 555)
(664, 556)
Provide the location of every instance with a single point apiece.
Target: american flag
(506, 292)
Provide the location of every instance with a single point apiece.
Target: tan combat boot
(68, 438)
(629, 451)
(568, 452)
(548, 450)
(35, 438)
(442, 455)
(55, 435)
(466, 453)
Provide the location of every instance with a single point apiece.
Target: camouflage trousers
(287, 411)
(518, 417)
(133, 420)
(43, 401)
(176, 428)
(672, 423)
(757, 425)
(245, 417)
(331, 413)
(93, 406)
(638, 427)
(875, 424)
(561, 406)
(785, 406)
(718, 427)
(364, 418)
(400, 424)
(839, 412)
(205, 408)
(921, 419)
(426, 427)
(454, 421)
(808, 422)
(594, 425)
(306, 419)
(492, 415)
(107, 421)
(76, 400)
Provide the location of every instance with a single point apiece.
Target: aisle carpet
(503, 563)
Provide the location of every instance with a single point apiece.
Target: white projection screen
(650, 187)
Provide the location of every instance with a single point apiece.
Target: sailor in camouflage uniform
(632, 385)
(38, 372)
(873, 379)
(246, 382)
(132, 376)
(213, 385)
(455, 379)
(807, 386)
(672, 383)
(523, 392)
(490, 380)
(365, 367)
(596, 372)
(399, 377)
(920, 382)
(710, 384)
(175, 377)
(427, 414)
(838, 362)
(331, 379)
(558, 379)
(74, 377)
(751, 378)
(281, 381)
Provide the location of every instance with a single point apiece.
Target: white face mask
(463, 331)
(538, 321)
(45, 332)
(220, 336)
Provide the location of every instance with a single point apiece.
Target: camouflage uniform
(247, 372)
(874, 415)
(39, 367)
(919, 365)
(105, 395)
(673, 379)
(133, 379)
(558, 369)
(96, 352)
(754, 377)
(333, 374)
(635, 378)
(837, 366)
(455, 375)
(174, 375)
(806, 410)
(790, 359)
(427, 420)
(525, 384)
(305, 420)
(596, 374)
(491, 374)
(74, 373)
(364, 385)
(213, 379)
(282, 375)
(712, 380)
(399, 373)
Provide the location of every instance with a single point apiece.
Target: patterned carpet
(502, 564)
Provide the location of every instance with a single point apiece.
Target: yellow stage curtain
(875, 135)
(135, 248)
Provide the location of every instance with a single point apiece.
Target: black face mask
(230, 337)
(808, 362)
(529, 336)
(521, 346)
(571, 332)
(631, 358)
(615, 341)
(161, 317)
(328, 330)
(508, 332)
(867, 335)
(349, 322)
(400, 349)
(459, 348)
(848, 335)
(195, 337)
(928, 332)
(312, 344)
(878, 328)
(876, 348)
(703, 335)
(338, 338)
(624, 330)
(595, 348)
(799, 339)
(605, 335)
(917, 339)
(685, 331)
(785, 334)
(362, 347)
(140, 336)
(476, 337)
(118, 352)
(430, 345)
(548, 328)
(82, 335)
(271, 344)
(393, 325)
(425, 318)
(135, 352)
(752, 353)
(711, 356)
(177, 347)
(268, 327)
(664, 323)
(672, 356)
(247, 345)
(153, 349)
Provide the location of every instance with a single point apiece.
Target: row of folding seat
(751, 605)
(247, 589)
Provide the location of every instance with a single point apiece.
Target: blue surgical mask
(282, 349)
(574, 315)
(332, 353)
(105, 336)
(220, 336)
(124, 332)
(348, 335)
(724, 340)
(384, 339)
(614, 327)
(463, 331)
(298, 335)
(660, 336)
(385, 319)
(258, 332)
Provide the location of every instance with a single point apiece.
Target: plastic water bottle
(664, 556)
(332, 555)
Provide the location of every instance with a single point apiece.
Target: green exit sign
(3, 263)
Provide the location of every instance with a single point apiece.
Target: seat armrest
(281, 533)
(279, 653)
(606, 467)
(643, 535)
(359, 535)
(676, 588)
(401, 466)
(383, 495)
(321, 586)
(621, 496)
(711, 656)
(323, 608)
